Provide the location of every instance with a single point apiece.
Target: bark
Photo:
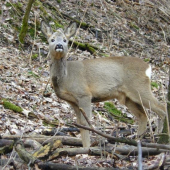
(54, 166)
(25, 22)
(6, 146)
(165, 136)
(54, 131)
(24, 154)
(46, 139)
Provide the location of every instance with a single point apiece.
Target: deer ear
(46, 29)
(70, 30)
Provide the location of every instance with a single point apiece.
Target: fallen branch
(112, 139)
(46, 139)
(84, 114)
(6, 146)
(54, 166)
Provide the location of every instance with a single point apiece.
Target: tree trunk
(165, 137)
(25, 22)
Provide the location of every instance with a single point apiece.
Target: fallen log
(54, 166)
(46, 139)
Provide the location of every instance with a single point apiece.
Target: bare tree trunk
(165, 137)
(25, 21)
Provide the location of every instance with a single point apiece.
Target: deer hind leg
(150, 102)
(139, 112)
(160, 109)
(85, 104)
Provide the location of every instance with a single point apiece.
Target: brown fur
(82, 82)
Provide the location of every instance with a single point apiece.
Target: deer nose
(59, 46)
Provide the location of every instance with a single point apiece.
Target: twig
(125, 140)
(85, 116)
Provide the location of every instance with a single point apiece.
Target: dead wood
(132, 150)
(45, 152)
(112, 139)
(5, 142)
(93, 151)
(53, 131)
(54, 166)
(6, 146)
(46, 139)
(32, 143)
(24, 154)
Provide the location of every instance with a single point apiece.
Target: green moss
(111, 108)
(59, 1)
(117, 114)
(31, 31)
(7, 149)
(154, 85)
(84, 46)
(11, 106)
(8, 4)
(146, 59)
(34, 56)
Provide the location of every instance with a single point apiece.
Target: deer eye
(52, 40)
(64, 40)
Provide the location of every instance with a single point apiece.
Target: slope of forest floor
(113, 28)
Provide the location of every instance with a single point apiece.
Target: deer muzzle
(59, 48)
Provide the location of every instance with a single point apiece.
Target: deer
(80, 83)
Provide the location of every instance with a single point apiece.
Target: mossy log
(90, 48)
(24, 154)
(84, 46)
(8, 105)
(11, 106)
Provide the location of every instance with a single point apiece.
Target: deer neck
(58, 70)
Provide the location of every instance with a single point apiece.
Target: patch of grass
(8, 4)
(146, 59)
(34, 56)
(111, 108)
(154, 84)
(33, 74)
(117, 114)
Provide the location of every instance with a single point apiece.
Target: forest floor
(114, 28)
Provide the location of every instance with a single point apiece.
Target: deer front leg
(85, 104)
